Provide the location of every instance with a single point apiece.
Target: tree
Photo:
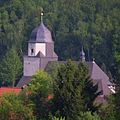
(83, 116)
(88, 116)
(52, 69)
(13, 108)
(10, 68)
(67, 99)
(40, 94)
(73, 91)
(117, 98)
(55, 118)
(108, 111)
(89, 89)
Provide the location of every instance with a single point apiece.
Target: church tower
(40, 50)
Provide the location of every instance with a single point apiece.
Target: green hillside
(93, 24)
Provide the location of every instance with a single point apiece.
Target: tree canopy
(10, 68)
(13, 108)
(39, 93)
(73, 91)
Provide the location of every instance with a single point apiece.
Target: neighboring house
(41, 54)
(4, 90)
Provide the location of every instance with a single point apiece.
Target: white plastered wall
(41, 47)
(36, 48)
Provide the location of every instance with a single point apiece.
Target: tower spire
(41, 15)
(82, 55)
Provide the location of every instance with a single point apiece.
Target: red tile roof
(9, 90)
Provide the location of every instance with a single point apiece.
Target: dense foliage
(91, 23)
(68, 100)
(39, 93)
(68, 95)
(14, 108)
(10, 68)
(73, 91)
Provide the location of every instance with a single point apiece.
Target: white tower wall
(35, 48)
(41, 47)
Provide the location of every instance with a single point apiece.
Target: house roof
(41, 34)
(25, 80)
(101, 78)
(9, 90)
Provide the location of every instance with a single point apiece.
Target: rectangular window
(32, 51)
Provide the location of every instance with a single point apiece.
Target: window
(32, 51)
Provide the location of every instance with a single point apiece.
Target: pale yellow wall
(36, 47)
(41, 47)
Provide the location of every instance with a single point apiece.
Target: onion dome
(41, 34)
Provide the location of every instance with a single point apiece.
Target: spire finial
(93, 61)
(82, 55)
(41, 15)
(82, 49)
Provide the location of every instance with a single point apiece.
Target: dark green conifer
(67, 92)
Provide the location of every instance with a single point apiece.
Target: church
(41, 54)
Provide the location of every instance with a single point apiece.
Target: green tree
(55, 118)
(89, 89)
(52, 69)
(67, 100)
(73, 91)
(10, 67)
(117, 98)
(40, 90)
(108, 111)
(88, 116)
(13, 108)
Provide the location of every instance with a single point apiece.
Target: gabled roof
(24, 81)
(41, 34)
(101, 78)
